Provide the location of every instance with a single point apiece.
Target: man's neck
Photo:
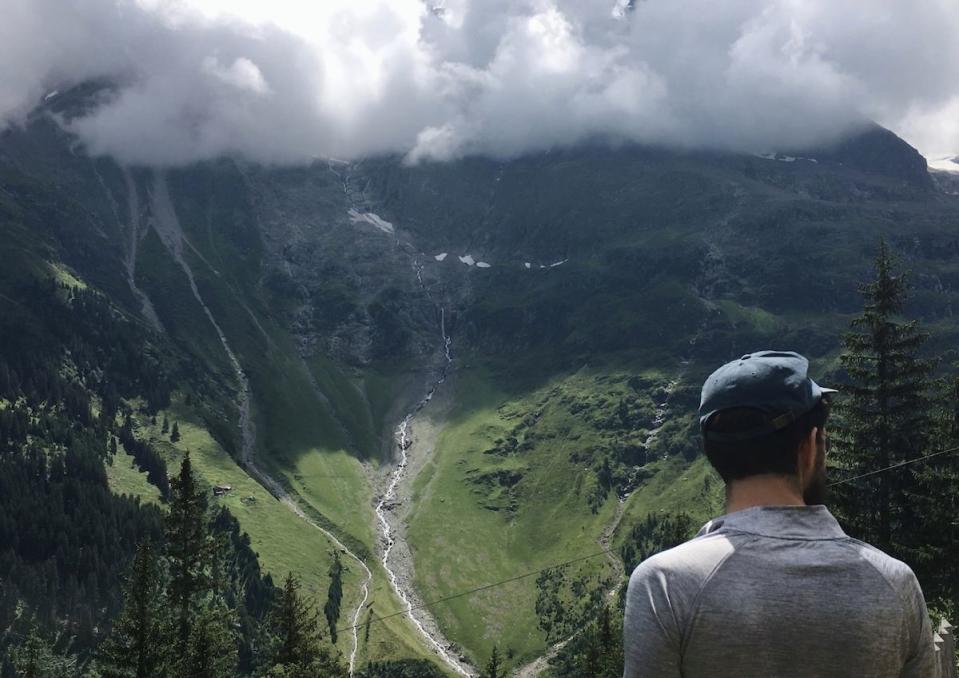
(765, 490)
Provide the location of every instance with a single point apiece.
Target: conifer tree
(175, 433)
(334, 595)
(36, 659)
(137, 643)
(492, 666)
(883, 417)
(938, 495)
(296, 650)
(188, 549)
(294, 624)
(212, 651)
(165, 428)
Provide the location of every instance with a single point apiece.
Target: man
(774, 588)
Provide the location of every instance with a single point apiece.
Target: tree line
(895, 423)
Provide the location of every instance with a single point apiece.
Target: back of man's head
(772, 453)
(756, 413)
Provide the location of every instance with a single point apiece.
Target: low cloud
(284, 82)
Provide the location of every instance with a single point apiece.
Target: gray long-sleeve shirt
(776, 592)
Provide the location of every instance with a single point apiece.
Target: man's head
(762, 416)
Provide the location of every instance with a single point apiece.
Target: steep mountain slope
(582, 295)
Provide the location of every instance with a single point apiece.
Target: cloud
(286, 81)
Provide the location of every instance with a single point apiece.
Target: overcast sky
(287, 80)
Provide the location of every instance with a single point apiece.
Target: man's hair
(771, 453)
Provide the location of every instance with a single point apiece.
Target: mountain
(485, 367)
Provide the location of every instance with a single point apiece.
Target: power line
(951, 450)
(495, 584)
(475, 590)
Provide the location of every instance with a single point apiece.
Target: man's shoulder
(691, 562)
(896, 573)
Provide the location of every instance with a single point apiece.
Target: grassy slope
(298, 438)
(462, 529)
(125, 478)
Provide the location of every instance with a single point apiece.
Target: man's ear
(807, 454)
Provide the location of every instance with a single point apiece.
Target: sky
(285, 81)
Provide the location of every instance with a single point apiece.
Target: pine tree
(212, 651)
(36, 659)
(334, 595)
(884, 417)
(939, 495)
(296, 650)
(188, 549)
(294, 623)
(165, 428)
(136, 645)
(175, 433)
(492, 669)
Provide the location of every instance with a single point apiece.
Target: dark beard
(815, 491)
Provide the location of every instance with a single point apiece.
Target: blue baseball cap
(774, 382)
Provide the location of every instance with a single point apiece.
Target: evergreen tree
(884, 416)
(175, 433)
(136, 645)
(212, 651)
(188, 549)
(296, 650)
(36, 659)
(334, 595)
(294, 624)
(166, 425)
(492, 669)
(938, 480)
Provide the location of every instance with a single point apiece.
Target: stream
(401, 582)
(171, 234)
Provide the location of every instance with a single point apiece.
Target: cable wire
(495, 584)
(485, 587)
(940, 453)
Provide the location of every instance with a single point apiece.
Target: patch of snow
(468, 260)
(482, 264)
(51, 95)
(781, 157)
(528, 265)
(372, 219)
(558, 263)
(441, 257)
(947, 163)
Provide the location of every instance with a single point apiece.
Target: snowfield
(373, 219)
(947, 163)
(783, 158)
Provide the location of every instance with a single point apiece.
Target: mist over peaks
(288, 82)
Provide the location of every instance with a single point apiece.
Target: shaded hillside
(585, 293)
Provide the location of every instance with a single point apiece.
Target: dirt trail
(168, 228)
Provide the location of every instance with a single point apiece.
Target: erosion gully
(168, 228)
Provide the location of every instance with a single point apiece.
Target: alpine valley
(441, 376)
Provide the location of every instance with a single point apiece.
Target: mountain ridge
(614, 279)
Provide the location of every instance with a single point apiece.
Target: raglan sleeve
(651, 631)
(922, 660)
